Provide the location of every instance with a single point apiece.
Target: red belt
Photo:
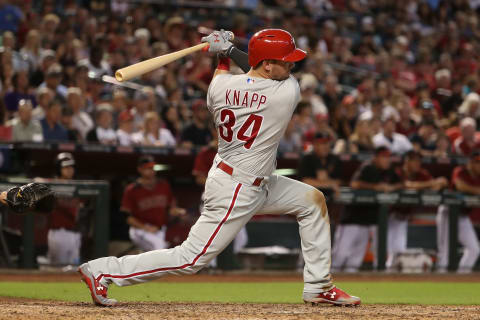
(229, 170)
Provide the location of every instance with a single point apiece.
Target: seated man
(149, 204)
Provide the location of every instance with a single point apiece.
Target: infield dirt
(39, 309)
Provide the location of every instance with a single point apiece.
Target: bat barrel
(146, 66)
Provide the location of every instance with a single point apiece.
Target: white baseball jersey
(251, 115)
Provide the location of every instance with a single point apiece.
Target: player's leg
(441, 221)
(396, 239)
(287, 196)
(468, 238)
(228, 207)
(357, 247)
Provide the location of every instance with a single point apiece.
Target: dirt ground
(36, 309)
(14, 308)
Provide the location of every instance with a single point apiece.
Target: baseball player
(251, 112)
(64, 238)
(465, 179)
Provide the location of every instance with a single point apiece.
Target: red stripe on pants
(210, 240)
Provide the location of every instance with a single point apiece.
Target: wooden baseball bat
(143, 67)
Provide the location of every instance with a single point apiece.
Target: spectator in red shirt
(468, 141)
(465, 179)
(149, 204)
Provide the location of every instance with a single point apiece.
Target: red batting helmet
(275, 44)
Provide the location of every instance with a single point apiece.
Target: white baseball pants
(466, 236)
(148, 241)
(350, 246)
(230, 202)
(64, 247)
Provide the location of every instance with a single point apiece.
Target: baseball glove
(31, 197)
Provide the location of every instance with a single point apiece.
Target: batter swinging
(251, 112)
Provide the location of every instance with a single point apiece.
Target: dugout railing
(411, 198)
(97, 191)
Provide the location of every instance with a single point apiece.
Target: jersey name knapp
(251, 115)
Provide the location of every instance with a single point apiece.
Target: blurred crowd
(401, 74)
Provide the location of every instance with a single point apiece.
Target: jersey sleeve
(458, 173)
(128, 202)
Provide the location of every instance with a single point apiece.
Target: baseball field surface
(239, 296)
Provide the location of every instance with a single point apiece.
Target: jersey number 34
(227, 117)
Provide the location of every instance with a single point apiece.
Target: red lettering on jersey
(254, 99)
(236, 97)
(263, 99)
(227, 97)
(245, 100)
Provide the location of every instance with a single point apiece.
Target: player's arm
(463, 186)
(219, 42)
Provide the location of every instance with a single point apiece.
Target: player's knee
(317, 199)
(474, 248)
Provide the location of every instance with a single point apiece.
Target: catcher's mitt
(31, 197)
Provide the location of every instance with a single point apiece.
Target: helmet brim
(296, 55)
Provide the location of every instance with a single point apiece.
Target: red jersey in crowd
(461, 147)
(65, 214)
(149, 205)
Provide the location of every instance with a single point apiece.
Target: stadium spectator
(24, 128)
(358, 222)
(140, 108)
(10, 16)
(465, 179)
(153, 134)
(47, 59)
(361, 139)
(125, 128)
(197, 133)
(20, 91)
(291, 141)
(321, 168)
(44, 97)
(173, 122)
(425, 140)
(468, 141)
(308, 86)
(53, 79)
(32, 49)
(304, 123)
(149, 204)
(332, 93)
(51, 127)
(103, 133)
(395, 142)
(67, 123)
(470, 106)
(81, 120)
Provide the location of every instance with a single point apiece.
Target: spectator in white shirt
(24, 128)
(104, 132)
(153, 134)
(397, 143)
(81, 121)
(125, 128)
(44, 98)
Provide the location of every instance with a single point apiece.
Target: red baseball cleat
(333, 296)
(98, 291)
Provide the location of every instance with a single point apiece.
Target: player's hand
(177, 212)
(150, 228)
(219, 41)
